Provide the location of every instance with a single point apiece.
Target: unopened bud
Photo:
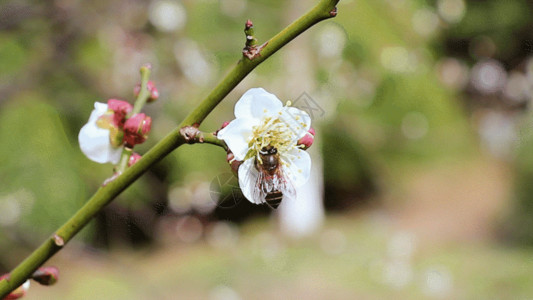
(154, 93)
(234, 164)
(136, 129)
(146, 67)
(18, 292)
(248, 24)
(46, 275)
(150, 86)
(120, 110)
(226, 123)
(307, 140)
(134, 157)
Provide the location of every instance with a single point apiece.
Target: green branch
(211, 138)
(323, 10)
(193, 135)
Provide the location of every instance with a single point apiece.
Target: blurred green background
(425, 141)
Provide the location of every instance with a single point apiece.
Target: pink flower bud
(120, 110)
(133, 158)
(307, 140)
(46, 275)
(248, 24)
(234, 164)
(226, 123)
(136, 129)
(150, 85)
(18, 292)
(230, 157)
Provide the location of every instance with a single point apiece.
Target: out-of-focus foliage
(519, 225)
(495, 37)
(39, 165)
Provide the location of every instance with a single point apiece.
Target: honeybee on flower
(266, 136)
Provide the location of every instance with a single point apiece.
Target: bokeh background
(423, 183)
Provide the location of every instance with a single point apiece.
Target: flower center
(272, 132)
(115, 134)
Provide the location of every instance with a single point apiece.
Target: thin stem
(142, 97)
(211, 138)
(124, 159)
(105, 194)
(144, 93)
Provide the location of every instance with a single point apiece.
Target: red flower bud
(46, 275)
(18, 292)
(234, 164)
(150, 85)
(136, 129)
(120, 110)
(226, 123)
(133, 158)
(248, 24)
(307, 140)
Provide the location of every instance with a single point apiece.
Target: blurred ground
(456, 202)
(434, 243)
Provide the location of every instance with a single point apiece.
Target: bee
(271, 182)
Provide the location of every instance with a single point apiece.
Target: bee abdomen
(274, 199)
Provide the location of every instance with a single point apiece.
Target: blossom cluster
(266, 142)
(111, 127)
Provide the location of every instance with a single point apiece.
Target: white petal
(26, 285)
(237, 135)
(297, 120)
(94, 141)
(248, 175)
(298, 167)
(99, 110)
(257, 103)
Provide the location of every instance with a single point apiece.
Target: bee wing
(256, 184)
(262, 184)
(249, 182)
(284, 185)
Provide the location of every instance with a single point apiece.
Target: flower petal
(248, 175)
(98, 111)
(298, 121)
(94, 141)
(257, 103)
(297, 166)
(237, 135)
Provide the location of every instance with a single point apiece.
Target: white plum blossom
(94, 140)
(262, 121)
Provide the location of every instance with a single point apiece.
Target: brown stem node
(189, 133)
(333, 12)
(58, 241)
(253, 52)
